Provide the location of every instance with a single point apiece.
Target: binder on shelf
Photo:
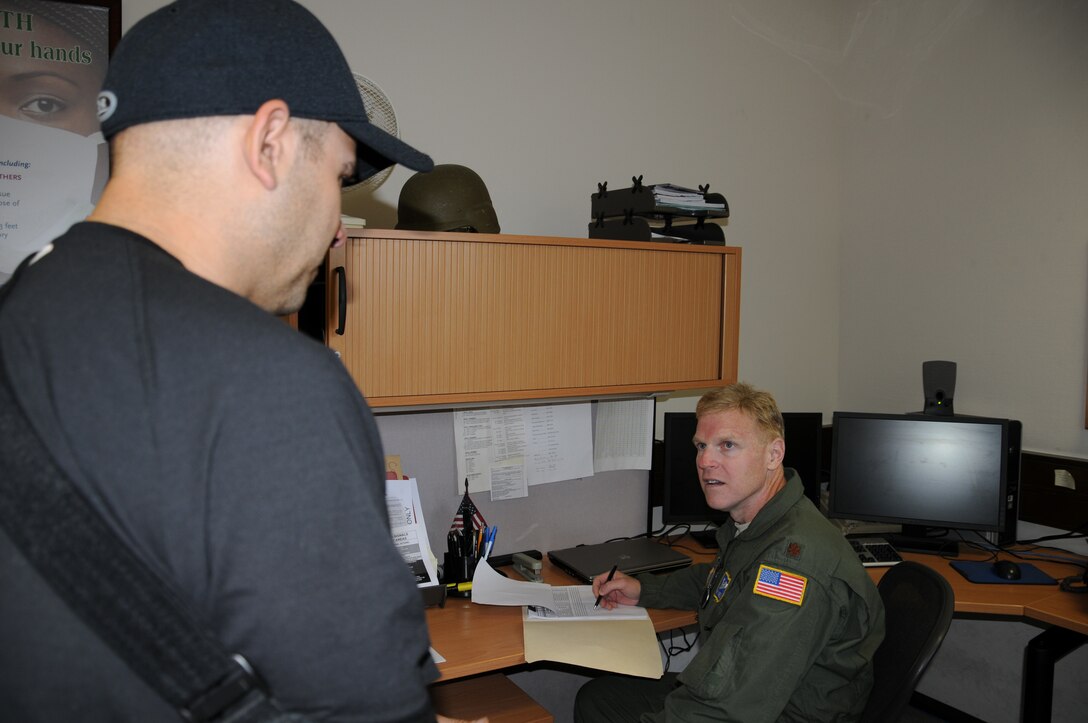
(643, 201)
(639, 229)
(700, 232)
(625, 214)
(627, 228)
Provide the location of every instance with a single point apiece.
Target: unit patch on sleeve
(780, 585)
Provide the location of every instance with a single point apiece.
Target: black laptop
(630, 556)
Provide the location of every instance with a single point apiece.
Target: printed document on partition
(490, 446)
(544, 601)
(506, 449)
(560, 444)
(623, 437)
(472, 439)
(508, 480)
(410, 530)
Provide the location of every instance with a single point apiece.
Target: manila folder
(620, 646)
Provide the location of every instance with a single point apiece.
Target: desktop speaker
(939, 385)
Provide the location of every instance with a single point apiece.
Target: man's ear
(776, 452)
(265, 142)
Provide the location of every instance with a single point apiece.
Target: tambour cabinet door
(425, 318)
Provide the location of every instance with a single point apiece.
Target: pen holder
(457, 569)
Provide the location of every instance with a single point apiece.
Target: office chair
(918, 606)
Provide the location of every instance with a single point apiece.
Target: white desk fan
(381, 114)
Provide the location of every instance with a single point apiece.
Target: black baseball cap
(197, 58)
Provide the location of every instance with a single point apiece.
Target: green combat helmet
(449, 198)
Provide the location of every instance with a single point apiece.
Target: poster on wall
(53, 159)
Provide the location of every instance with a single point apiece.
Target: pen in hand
(611, 574)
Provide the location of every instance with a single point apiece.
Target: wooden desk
(483, 638)
(1067, 612)
(1062, 609)
(1042, 603)
(1002, 600)
(477, 639)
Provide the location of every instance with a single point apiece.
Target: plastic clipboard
(982, 572)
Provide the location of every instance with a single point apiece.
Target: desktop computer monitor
(804, 450)
(923, 472)
(682, 500)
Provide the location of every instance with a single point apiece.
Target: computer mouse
(1007, 570)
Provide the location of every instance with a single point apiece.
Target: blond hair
(743, 397)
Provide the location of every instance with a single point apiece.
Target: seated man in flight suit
(789, 620)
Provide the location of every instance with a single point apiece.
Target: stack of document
(673, 196)
(410, 529)
(544, 601)
(561, 624)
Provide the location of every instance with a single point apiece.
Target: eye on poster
(53, 159)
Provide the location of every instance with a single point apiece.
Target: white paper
(508, 435)
(576, 602)
(520, 446)
(472, 439)
(560, 443)
(508, 481)
(624, 435)
(508, 443)
(491, 588)
(410, 530)
(564, 602)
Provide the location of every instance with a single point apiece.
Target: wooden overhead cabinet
(422, 318)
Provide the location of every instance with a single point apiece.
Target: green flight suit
(797, 646)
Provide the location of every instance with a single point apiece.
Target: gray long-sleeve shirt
(236, 458)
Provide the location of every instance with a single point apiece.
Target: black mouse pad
(982, 572)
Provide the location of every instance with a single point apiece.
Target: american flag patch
(780, 585)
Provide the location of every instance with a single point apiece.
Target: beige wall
(965, 226)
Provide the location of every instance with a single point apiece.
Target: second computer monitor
(923, 472)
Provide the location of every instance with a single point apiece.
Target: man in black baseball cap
(199, 58)
(233, 455)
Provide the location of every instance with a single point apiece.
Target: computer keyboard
(874, 551)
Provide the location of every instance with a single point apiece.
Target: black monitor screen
(682, 496)
(918, 470)
(804, 446)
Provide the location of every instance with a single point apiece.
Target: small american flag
(780, 585)
(467, 505)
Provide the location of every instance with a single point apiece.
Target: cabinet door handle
(341, 299)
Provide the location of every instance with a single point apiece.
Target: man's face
(736, 464)
(308, 222)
